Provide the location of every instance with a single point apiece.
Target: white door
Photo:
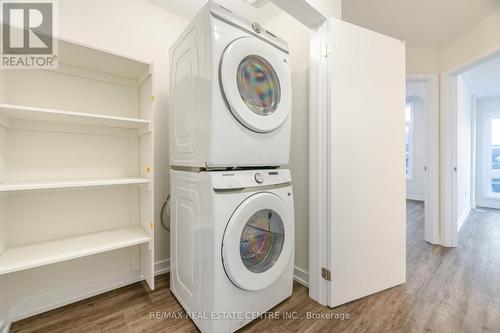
(359, 154)
(256, 84)
(258, 242)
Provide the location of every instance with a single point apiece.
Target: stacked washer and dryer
(232, 213)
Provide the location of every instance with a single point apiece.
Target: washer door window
(258, 242)
(256, 84)
(262, 240)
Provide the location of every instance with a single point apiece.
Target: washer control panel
(256, 27)
(239, 179)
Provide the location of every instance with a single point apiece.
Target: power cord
(166, 204)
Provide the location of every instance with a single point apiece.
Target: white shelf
(20, 258)
(69, 117)
(69, 183)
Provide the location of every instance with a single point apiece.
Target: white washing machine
(232, 244)
(230, 94)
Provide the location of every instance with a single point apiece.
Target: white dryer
(230, 94)
(232, 244)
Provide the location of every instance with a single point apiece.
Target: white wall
(422, 60)
(464, 150)
(415, 94)
(484, 105)
(477, 41)
(138, 29)
(297, 37)
(329, 8)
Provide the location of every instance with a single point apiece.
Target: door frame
(449, 144)
(483, 197)
(431, 103)
(319, 288)
(311, 17)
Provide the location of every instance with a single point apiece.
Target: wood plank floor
(447, 290)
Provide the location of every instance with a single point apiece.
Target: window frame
(488, 172)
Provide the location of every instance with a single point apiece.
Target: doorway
(483, 82)
(488, 154)
(415, 130)
(422, 150)
(471, 142)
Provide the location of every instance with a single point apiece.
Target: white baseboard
(301, 276)
(463, 218)
(162, 267)
(58, 298)
(415, 197)
(494, 204)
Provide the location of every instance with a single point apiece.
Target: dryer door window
(256, 84)
(258, 241)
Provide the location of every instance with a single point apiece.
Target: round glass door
(258, 241)
(256, 84)
(262, 240)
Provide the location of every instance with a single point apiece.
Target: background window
(409, 140)
(494, 152)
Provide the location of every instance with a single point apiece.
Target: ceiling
(421, 23)
(189, 8)
(484, 80)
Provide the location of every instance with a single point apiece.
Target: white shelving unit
(76, 177)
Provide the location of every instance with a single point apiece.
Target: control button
(256, 27)
(258, 178)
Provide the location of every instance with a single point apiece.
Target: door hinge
(325, 51)
(325, 274)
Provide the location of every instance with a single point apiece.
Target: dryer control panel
(253, 28)
(240, 179)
